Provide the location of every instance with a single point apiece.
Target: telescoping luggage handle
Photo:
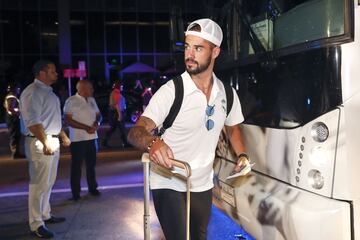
(177, 163)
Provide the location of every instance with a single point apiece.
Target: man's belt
(32, 136)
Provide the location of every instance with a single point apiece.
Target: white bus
(296, 68)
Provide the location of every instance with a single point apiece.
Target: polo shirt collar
(41, 84)
(190, 87)
(81, 97)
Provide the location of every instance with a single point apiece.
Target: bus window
(260, 26)
(290, 91)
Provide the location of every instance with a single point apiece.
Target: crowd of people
(116, 100)
(202, 115)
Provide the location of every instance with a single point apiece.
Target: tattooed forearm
(140, 135)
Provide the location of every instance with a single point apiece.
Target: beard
(199, 68)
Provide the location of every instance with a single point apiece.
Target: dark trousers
(13, 124)
(83, 150)
(115, 124)
(170, 208)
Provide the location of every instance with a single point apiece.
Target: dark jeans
(13, 124)
(83, 150)
(115, 124)
(170, 208)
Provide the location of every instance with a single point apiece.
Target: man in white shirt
(41, 125)
(193, 135)
(83, 116)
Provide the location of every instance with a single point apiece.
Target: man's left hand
(65, 141)
(96, 125)
(160, 153)
(242, 162)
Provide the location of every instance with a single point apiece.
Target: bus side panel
(347, 164)
(292, 155)
(269, 209)
(350, 61)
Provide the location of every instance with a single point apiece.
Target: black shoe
(75, 198)
(53, 219)
(95, 192)
(43, 232)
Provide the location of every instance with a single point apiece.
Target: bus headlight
(316, 180)
(318, 156)
(319, 132)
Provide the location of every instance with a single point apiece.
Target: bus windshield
(283, 58)
(259, 26)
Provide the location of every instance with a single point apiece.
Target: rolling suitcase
(177, 163)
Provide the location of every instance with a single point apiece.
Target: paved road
(116, 214)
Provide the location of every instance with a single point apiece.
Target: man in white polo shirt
(83, 116)
(193, 135)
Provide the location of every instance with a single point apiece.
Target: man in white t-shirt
(193, 136)
(83, 116)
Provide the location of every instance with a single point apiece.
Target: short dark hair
(41, 65)
(197, 28)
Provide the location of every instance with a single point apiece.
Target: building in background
(107, 35)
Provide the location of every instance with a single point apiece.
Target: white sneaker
(246, 168)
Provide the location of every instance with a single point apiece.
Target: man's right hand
(91, 129)
(47, 149)
(38, 131)
(160, 153)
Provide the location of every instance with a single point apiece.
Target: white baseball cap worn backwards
(209, 30)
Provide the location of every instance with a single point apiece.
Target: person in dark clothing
(11, 105)
(116, 117)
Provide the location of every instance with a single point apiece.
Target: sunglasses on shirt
(209, 124)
